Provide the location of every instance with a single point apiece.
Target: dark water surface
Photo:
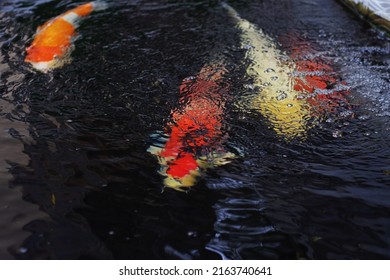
(76, 178)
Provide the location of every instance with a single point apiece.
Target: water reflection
(243, 231)
(14, 211)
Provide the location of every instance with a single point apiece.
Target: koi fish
(321, 86)
(283, 89)
(195, 135)
(53, 41)
(377, 11)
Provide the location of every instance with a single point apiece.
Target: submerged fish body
(271, 72)
(322, 88)
(288, 89)
(53, 41)
(195, 135)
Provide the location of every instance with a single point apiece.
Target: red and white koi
(195, 135)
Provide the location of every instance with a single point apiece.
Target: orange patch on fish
(54, 39)
(51, 42)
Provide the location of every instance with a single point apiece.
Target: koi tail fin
(99, 5)
(233, 13)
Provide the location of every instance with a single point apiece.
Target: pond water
(77, 180)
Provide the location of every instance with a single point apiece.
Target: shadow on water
(86, 129)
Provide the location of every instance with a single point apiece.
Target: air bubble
(282, 96)
(23, 250)
(247, 47)
(192, 234)
(330, 120)
(269, 70)
(364, 117)
(346, 113)
(249, 86)
(337, 134)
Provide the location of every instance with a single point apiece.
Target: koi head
(44, 58)
(182, 170)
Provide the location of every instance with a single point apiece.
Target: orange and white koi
(53, 41)
(195, 135)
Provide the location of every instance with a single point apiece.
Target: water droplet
(269, 70)
(363, 117)
(337, 134)
(192, 234)
(329, 120)
(281, 96)
(69, 121)
(290, 105)
(190, 78)
(23, 250)
(247, 47)
(249, 86)
(346, 113)
(274, 78)
(111, 232)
